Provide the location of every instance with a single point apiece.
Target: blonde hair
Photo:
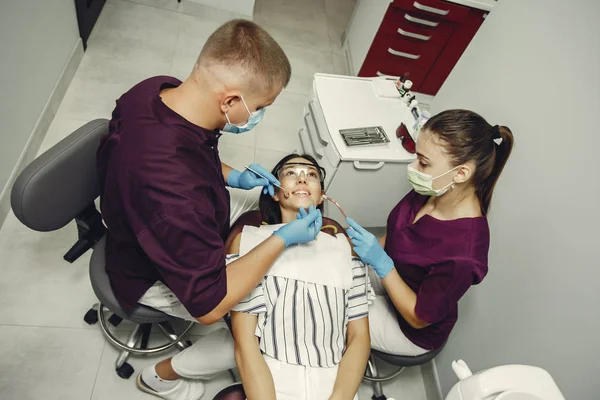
(245, 46)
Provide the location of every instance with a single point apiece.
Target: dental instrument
(336, 204)
(271, 183)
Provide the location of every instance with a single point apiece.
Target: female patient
(303, 333)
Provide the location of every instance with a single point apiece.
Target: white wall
(534, 67)
(37, 39)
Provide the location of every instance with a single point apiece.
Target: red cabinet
(421, 38)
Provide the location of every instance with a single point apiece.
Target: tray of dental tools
(367, 136)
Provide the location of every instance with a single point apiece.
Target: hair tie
(496, 134)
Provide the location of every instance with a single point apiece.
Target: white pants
(212, 353)
(297, 382)
(242, 201)
(386, 335)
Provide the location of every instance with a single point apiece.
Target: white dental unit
(367, 181)
(506, 382)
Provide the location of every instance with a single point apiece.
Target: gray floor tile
(279, 129)
(306, 61)
(300, 23)
(60, 128)
(268, 158)
(300, 85)
(340, 65)
(236, 156)
(48, 363)
(210, 13)
(58, 293)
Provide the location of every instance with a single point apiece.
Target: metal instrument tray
(370, 135)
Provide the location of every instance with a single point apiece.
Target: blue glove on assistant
(368, 249)
(248, 179)
(304, 229)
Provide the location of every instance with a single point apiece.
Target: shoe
(186, 389)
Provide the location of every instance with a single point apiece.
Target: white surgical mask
(253, 120)
(423, 183)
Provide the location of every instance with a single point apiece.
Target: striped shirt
(305, 323)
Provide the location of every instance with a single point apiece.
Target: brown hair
(245, 44)
(466, 137)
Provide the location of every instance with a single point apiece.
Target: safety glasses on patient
(294, 171)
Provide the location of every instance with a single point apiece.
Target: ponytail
(468, 137)
(502, 149)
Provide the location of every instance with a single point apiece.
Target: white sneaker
(186, 389)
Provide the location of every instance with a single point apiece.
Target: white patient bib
(326, 260)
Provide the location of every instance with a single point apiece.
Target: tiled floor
(46, 350)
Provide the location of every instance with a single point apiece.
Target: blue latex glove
(248, 179)
(368, 249)
(304, 229)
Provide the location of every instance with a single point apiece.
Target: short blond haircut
(247, 46)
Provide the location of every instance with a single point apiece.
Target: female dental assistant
(437, 239)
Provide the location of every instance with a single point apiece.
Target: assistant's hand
(368, 249)
(248, 179)
(304, 229)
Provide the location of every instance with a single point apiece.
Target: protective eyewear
(294, 171)
(406, 139)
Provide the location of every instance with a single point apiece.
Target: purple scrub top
(439, 261)
(164, 201)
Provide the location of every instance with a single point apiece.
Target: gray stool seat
(103, 290)
(406, 361)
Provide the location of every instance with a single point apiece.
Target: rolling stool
(402, 362)
(143, 316)
(60, 186)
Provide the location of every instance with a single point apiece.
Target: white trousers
(210, 354)
(213, 353)
(386, 335)
(297, 382)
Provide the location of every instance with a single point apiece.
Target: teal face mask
(253, 120)
(423, 183)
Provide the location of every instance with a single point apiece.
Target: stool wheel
(115, 320)
(382, 397)
(125, 371)
(91, 317)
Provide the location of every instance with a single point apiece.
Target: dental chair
(372, 375)
(61, 186)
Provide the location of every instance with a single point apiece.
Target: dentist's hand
(368, 249)
(248, 179)
(304, 229)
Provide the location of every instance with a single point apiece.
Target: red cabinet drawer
(436, 9)
(435, 38)
(416, 21)
(451, 53)
(398, 51)
(392, 56)
(421, 38)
